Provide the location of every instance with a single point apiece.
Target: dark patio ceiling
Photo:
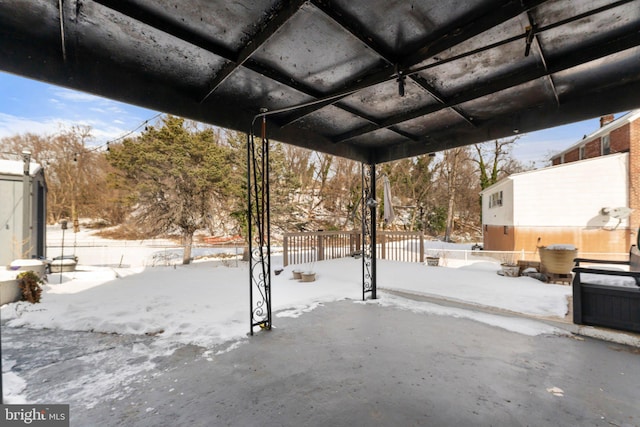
(372, 80)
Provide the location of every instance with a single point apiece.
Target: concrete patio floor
(342, 364)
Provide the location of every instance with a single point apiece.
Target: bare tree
(494, 160)
(342, 193)
(299, 163)
(75, 171)
(412, 183)
(450, 164)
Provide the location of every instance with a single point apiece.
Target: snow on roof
(15, 167)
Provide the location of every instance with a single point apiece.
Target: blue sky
(31, 106)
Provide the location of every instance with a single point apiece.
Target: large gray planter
(9, 291)
(62, 265)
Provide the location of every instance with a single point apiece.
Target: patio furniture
(605, 297)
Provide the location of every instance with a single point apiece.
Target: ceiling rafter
(146, 17)
(234, 60)
(471, 27)
(309, 91)
(138, 56)
(532, 25)
(258, 40)
(457, 33)
(389, 73)
(440, 98)
(352, 25)
(141, 14)
(536, 31)
(165, 25)
(599, 50)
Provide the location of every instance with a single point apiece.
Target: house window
(495, 199)
(605, 144)
(582, 153)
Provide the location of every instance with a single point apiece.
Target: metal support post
(259, 230)
(369, 206)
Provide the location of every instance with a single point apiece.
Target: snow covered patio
(343, 363)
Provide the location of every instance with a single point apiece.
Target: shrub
(30, 285)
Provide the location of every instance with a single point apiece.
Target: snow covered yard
(207, 303)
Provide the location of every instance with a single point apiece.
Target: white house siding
(572, 194)
(498, 215)
(561, 204)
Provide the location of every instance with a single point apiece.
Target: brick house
(568, 201)
(614, 136)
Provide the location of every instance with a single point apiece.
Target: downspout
(26, 205)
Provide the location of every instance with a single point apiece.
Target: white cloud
(113, 108)
(71, 95)
(12, 125)
(100, 130)
(79, 100)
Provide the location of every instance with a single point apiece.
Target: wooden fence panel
(308, 247)
(406, 246)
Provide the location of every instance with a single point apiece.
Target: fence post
(320, 245)
(285, 250)
(421, 248)
(383, 252)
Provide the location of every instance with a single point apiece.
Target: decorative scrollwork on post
(259, 231)
(369, 205)
(260, 300)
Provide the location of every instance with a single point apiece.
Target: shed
(23, 227)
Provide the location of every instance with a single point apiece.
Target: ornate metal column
(259, 230)
(369, 205)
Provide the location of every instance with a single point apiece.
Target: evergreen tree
(179, 174)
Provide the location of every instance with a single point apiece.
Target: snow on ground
(206, 303)
(478, 283)
(513, 324)
(12, 384)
